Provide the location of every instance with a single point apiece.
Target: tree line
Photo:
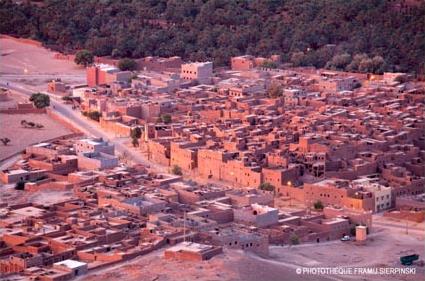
(354, 35)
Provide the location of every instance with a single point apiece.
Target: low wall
(23, 111)
(64, 122)
(60, 56)
(48, 185)
(415, 216)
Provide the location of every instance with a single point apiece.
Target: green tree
(20, 185)
(40, 100)
(275, 90)
(378, 65)
(339, 62)
(318, 205)
(356, 61)
(135, 142)
(269, 64)
(135, 135)
(295, 240)
(218, 29)
(116, 53)
(127, 64)
(94, 115)
(176, 170)
(298, 59)
(266, 186)
(84, 57)
(166, 118)
(401, 79)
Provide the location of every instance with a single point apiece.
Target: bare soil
(10, 127)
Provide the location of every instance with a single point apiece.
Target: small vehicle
(345, 238)
(408, 260)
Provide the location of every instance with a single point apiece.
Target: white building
(382, 195)
(93, 145)
(259, 215)
(76, 267)
(200, 71)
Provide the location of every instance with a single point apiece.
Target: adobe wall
(23, 111)
(63, 121)
(117, 128)
(406, 215)
(185, 158)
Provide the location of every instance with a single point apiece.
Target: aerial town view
(212, 140)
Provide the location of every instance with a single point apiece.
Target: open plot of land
(13, 100)
(10, 127)
(232, 265)
(383, 249)
(33, 65)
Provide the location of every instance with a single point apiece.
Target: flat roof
(190, 247)
(71, 263)
(29, 212)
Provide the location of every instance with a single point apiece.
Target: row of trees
(86, 58)
(357, 63)
(301, 31)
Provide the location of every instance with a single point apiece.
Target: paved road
(86, 126)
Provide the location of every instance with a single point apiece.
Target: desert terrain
(232, 265)
(382, 250)
(22, 137)
(34, 66)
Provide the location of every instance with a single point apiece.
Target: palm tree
(5, 141)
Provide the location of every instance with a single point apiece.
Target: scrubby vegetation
(352, 35)
(40, 100)
(135, 135)
(176, 170)
(84, 57)
(267, 186)
(127, 64)
(94, 115)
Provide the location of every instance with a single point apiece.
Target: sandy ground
(232, 265)
(32, 65)
(22, 137)
(12, 101)
(383, 250)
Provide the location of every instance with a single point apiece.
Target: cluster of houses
(119, 212)
(343, 145)
(301, 130)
